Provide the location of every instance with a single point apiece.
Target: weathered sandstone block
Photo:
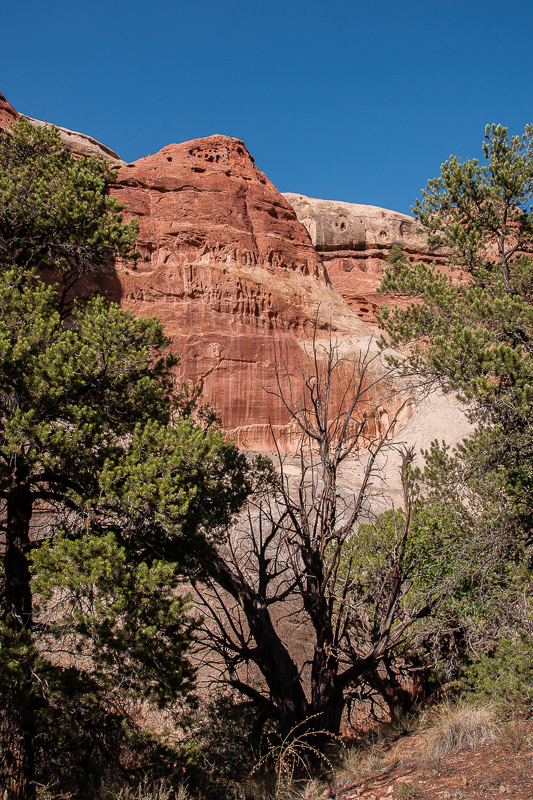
(354, 241)
(83, 145)
(335, 226)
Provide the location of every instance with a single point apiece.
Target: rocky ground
(489, 770)
(499, 764)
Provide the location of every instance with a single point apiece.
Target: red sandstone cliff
(354, 241)
(8, 115)
(235, 278)
(233, 275)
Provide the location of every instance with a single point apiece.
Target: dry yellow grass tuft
(454, 727)
(515, 733)
(154, 791)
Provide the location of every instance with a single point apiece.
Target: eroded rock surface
(239, 284)
(235, 278)
(8, 115)
(354, 241)
(83, 145)
(335, 226)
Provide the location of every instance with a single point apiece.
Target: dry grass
(441, 731)
(430, 754)
(358, 763)
(154, 791)
(407, 789)
(309, 790)
(376, 753)
(516, 734)
(296, 790)
(454, 727)
(362, 764)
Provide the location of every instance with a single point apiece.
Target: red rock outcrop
(8, 115)
(354, 241)
(235, 278)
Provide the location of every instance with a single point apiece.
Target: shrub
(505, 676)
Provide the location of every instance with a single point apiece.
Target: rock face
(8, 115)
(236, 280)
(79, 143)
(346, 227)
(83, 145)
(354, 241)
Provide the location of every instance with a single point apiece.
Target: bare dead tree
(289, 621)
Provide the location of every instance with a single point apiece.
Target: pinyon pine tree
(55, 213)
(470, 331)
(107, 491)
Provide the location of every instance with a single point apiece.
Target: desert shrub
(505, 676)
(299, 753)
(90, 748)
(225, 739)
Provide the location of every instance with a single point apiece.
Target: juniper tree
(107, 491)
(300, 615)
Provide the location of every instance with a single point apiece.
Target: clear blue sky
(340, 99)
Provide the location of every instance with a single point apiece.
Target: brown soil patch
(493, 769)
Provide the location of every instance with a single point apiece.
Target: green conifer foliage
(108, 491)
(55, 213)
(469, 330)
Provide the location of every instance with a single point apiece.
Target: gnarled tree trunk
(17, 715)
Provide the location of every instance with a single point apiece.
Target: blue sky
(339, 99)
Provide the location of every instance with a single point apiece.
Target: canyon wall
(236, 280)
(240, 277)
(8, 115)
(354, 241)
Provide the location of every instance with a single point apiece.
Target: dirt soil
(493, 769)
